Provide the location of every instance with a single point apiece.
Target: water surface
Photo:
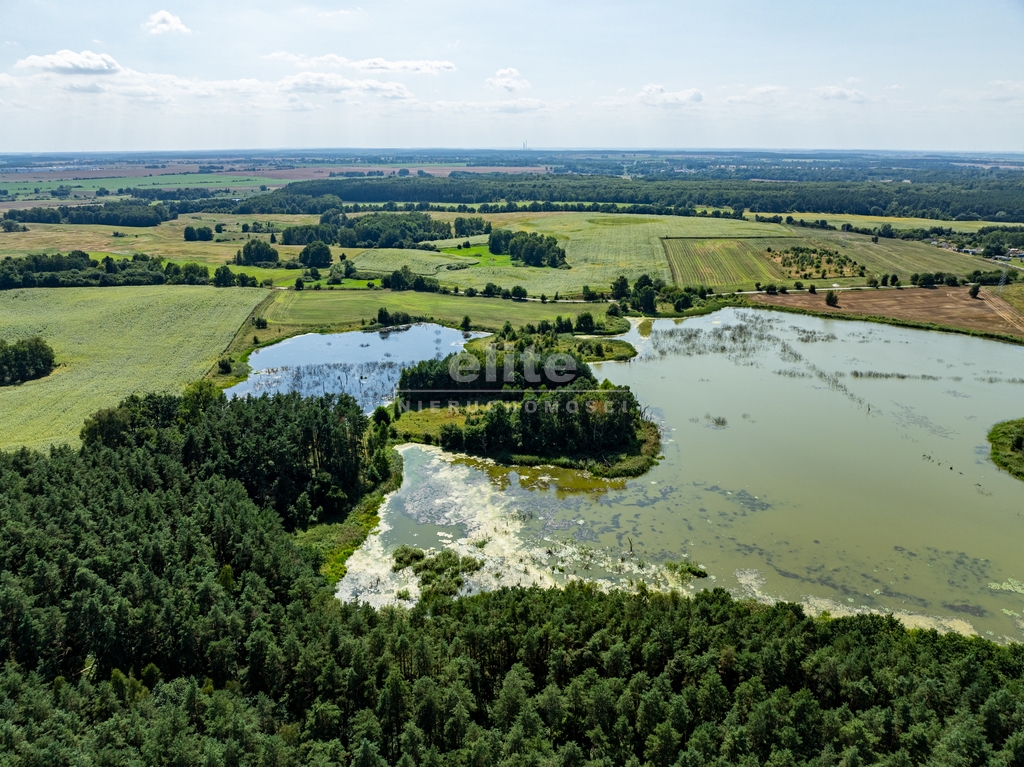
(838, 463)
(365, 365)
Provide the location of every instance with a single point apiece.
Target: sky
(119, 75)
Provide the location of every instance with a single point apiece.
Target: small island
(1007, 440)
(527, 399)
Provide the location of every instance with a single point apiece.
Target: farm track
(1004, 310)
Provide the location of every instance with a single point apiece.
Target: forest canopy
(25, 360)
(155, 610)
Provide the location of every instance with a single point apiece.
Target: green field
(724, 264)
(111, 342)
(338, 309)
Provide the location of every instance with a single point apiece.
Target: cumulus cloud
(508, 80)
(6, 81)
(838, 93)
(417, 67)
(70, 63)
(656, 95)
(162, 22)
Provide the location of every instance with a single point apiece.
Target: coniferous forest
(155, 609)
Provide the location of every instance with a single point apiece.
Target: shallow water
(869, 492)
(365, 365)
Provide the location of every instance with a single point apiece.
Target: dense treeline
(999, 197)
(113, 213)
(562, 411)
(78, 270)
(374, 230)
(25, 360)
(530, 249)
(302, 458)
(155, 612)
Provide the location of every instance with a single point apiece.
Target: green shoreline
(1003, 455)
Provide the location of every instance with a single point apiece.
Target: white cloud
(762, 94)
(508, 80)
(339, 12)
(656, 95)
(70, 63)
(6, 81)
(837, 93)
(421, 67)
(418, 67)
(325, 82)
(165, 21)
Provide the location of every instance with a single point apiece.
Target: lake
(839, 464)
(364, 364)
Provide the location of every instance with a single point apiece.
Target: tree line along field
(292, 311)
(166, 241)
(110, 343)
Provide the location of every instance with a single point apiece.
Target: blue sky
(901, 74)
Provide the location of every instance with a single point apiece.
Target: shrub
(224, 365)
(832, 298)
(975, 290)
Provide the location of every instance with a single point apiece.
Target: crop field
(291, 311)
(739, 264)
(724, 264)
(111, 342)
(902, 257)
(600, 247)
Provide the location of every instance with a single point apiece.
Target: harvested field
(949, 307)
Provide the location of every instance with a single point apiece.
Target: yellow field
(111, 342)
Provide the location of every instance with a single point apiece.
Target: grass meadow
(340, 309)
(111, 342)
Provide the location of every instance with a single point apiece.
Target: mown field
(425, 262)
(111, 342)
(724, 264)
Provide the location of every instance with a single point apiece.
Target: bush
(975, 290)
(811, 289)
(451, 437)
(224, 366)
(832, 298)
